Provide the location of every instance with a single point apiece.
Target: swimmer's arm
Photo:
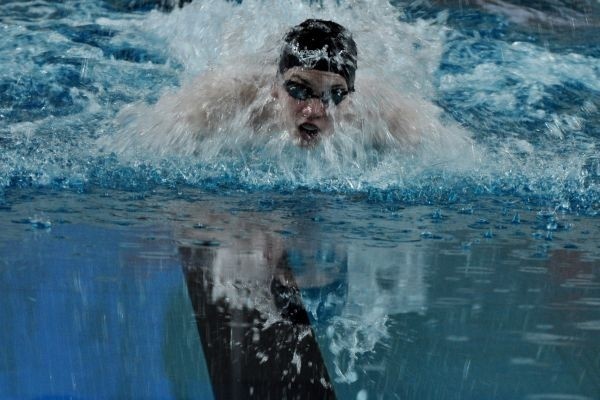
(213, 100)
(208, 106)
(217, 103)
(402, 120)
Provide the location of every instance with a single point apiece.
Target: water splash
(353, 157)
(531, 111)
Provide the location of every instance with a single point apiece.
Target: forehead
(315, 77)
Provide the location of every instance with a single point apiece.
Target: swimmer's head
(316, 75)
(320, 45)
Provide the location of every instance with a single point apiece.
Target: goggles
(302, 92)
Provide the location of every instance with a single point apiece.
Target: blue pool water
(467, 269)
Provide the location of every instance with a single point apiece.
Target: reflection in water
(421, 304)
(303, 297)
(381, 282)
(252, 352)
(285, 309)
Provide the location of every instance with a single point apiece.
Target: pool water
(447, 273)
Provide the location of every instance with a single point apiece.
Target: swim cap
(321, 45)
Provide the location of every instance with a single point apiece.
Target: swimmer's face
(310, 100)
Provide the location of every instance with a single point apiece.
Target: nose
(314, 108)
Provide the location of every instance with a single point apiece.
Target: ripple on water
(556, 396)
(589, 301)
(589, 325)
(525, 361)
(582, 281)
(549, 339)
(534, 270)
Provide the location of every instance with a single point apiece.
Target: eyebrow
(302, 81)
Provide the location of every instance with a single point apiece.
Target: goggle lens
(301, 92)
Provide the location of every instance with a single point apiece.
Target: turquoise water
(450, 272)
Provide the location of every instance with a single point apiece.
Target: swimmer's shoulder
(243, 85)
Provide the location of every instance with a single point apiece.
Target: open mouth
(309, 131)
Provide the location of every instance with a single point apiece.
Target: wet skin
(311, 119)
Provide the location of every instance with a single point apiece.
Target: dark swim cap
(321, 45)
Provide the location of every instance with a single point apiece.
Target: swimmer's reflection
(254, 329)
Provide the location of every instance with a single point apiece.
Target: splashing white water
(532, 108)
(218, 42)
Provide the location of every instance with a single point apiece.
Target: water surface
(427, 275)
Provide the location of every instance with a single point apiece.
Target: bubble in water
(362, 395)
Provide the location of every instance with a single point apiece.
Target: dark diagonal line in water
(246, 356)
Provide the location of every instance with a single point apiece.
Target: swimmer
(311, 88)
(308, 96)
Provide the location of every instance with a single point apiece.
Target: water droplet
(39, 223)
(516, 219)
(437, 215)
(466, 210)
(362, 395)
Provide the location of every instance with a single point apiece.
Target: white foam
(404, 57)
(214, 47)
